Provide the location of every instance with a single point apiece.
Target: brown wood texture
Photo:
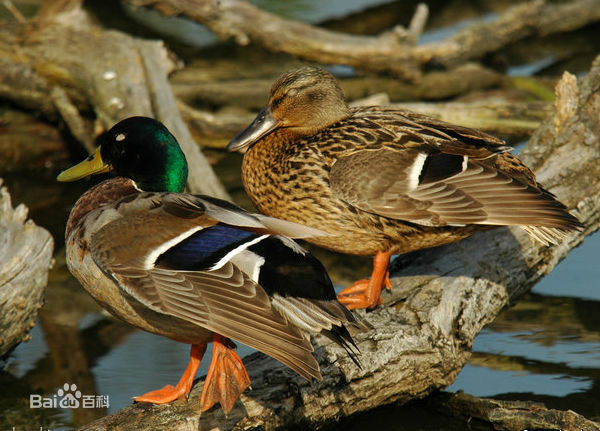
(25, 258)
(509, 415)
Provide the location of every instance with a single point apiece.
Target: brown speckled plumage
(290, 180)
(289, 177)
(381, 179)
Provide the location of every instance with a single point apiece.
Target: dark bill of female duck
(263, 124)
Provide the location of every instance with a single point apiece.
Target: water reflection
(547, 346)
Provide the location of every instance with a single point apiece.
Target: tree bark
(437, 305)
(25, 258)
(390, 51)
(510, 415)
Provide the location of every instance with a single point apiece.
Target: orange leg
(366, 293)
(170, 393)
(227, 377)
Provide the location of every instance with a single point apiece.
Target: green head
(141, 149)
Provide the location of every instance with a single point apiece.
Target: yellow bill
(90, 166)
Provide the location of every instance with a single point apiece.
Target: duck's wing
(418, 128)
(134, 251)
(436, 185)
(225, 212)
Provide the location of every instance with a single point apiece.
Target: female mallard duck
(193, 268)
(381, 180)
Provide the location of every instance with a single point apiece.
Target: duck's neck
(172, 181)
(106, 192)
(163, 170)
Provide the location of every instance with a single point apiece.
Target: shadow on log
(25, 258)
(437, 306)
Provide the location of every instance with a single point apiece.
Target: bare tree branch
(243, 22)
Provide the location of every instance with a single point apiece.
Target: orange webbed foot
(170, 393)
(162, 396)
(360, 295)
(227, 377)
(366, 293)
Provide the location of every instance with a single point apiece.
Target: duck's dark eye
(276, 102)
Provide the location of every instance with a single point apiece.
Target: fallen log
(190, 86)
(25, 258)
(509, 415)
(391, 51)
(28, 143)
(500, 117)
(437, 305)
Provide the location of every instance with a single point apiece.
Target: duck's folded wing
(441, 189)
(228, 213)
(380, 125)
(224, 300)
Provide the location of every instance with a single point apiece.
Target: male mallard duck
(193, 268)
(382, 180)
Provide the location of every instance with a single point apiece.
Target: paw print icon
(69, 396)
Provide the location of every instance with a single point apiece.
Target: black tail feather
(341, 336)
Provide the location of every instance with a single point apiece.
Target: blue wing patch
(204, 248)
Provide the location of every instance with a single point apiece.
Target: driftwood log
(438, 303)
(392, 51)
(500, 116)
(25, 258)
(192, 85)
(66, 67)
(509, 415)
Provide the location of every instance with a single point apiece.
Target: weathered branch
(243, 22)
(189, 86)
(441, 301)
(65, 67)
(25, 258)
(500, 117)
(510, 415)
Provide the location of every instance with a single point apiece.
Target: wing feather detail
(384, 182)
(225, 301)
